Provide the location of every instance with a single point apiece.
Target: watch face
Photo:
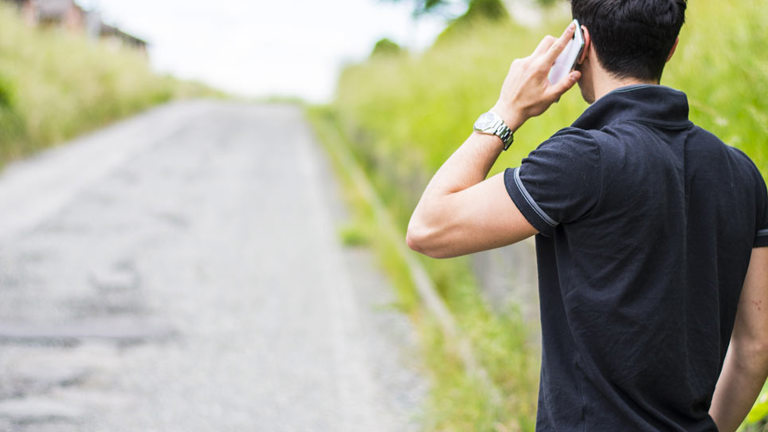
(485, 121)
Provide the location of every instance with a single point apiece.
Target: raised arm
(460, 211)
(746, 364)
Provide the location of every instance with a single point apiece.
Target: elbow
(753, 354)
(423, 239)
(413, 240)
(759, 354)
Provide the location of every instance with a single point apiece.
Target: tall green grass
(462, 402)
(403, 115)
(56, 84)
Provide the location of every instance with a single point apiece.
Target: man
(651, 233)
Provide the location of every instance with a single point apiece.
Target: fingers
(559, 45)
(564, 84)
(544, 45)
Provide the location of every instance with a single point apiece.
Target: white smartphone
(567, 59)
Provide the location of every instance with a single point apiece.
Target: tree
(385, 47)
(489, 8)
(481, 11)
(421, 7)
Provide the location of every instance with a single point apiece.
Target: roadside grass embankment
(56, 84)
(470, 381)
(402, 115)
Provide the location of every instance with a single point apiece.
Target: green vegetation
(386, 47)
(461, 402)
(354, 235)
(757, 420)
(493, 10)
(403, 115)
(490, 8)
(55, 85)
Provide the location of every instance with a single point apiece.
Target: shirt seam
(531, 202)
(669, 124)
(634, 87)
(677, 125)
(601, 169)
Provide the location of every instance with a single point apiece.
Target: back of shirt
(647, 224)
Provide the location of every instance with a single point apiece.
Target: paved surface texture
(181, 272)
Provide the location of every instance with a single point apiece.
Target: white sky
(262, 47)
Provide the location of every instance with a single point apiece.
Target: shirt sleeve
(559, 182)
(761, 236)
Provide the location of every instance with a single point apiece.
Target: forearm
(467, 166)
(737, 388)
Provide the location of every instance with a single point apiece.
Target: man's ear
(674, 47)
(587, 42)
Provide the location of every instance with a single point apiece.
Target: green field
(403, 114)
(56, 84)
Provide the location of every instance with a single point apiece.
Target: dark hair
(632, 38)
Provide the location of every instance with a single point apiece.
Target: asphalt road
(181, 271)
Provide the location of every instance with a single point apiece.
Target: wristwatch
(490, 123)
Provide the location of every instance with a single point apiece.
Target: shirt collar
(661, 105)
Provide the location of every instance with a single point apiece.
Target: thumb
(564, 84)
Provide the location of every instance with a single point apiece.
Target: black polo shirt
(646, 223)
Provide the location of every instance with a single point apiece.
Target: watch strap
(505, 133)
(497, 127)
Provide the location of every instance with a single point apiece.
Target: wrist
(513, 118)
(491, 123)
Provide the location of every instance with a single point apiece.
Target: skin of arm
(461, 211)
(746, 363)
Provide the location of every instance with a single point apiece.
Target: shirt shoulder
(746, 173)
(761, 196)
(559, 181)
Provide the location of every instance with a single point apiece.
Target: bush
(385, 47)
(56, 84)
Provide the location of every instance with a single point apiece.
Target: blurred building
(67, 14)
(115, 34)
(55, 13)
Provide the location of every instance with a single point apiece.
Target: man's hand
(526, 91)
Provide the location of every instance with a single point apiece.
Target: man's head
(632, 39)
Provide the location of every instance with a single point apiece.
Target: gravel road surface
(180, 271)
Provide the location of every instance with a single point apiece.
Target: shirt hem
(525, 203)
(761, 240)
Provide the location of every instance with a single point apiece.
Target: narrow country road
(181, 271)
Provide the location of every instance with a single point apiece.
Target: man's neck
(609, 83)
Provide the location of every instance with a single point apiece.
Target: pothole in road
(120, 276)
(32, 411)
(32, 378)
(46, 385)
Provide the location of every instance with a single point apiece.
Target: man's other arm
(746, 364)
(461, 212)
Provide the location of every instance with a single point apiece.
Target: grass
(403, 115)
(354, 235)
(757, 420)
(55, 84)
(457, 397)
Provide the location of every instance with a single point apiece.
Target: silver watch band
(503, 132)
(492, 124)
